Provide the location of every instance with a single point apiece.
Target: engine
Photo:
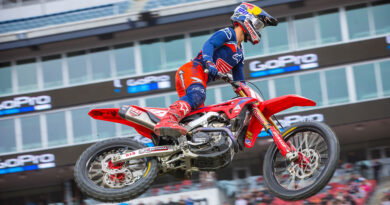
(213, 146)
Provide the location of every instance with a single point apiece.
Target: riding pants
(191, 84)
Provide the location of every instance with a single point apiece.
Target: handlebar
(225, 77)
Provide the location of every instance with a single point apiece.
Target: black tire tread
(114, 195)
(280, 192)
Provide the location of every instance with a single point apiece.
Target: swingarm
(159, 151)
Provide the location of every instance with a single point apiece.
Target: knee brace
(195, 95)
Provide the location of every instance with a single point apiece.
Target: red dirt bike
(299, 163)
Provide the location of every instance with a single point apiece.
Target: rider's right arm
(215, 41)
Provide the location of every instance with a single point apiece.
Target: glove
(213, 72)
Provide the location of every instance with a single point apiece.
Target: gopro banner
(24, 104)
(317, 58)
(23, 163)
(339, 115)
(283, 64)
(86, 94)
(144, 84)
(54, 157)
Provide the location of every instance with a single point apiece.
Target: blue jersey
(222, 49)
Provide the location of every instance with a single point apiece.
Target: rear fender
(278, 104)
(111, 115)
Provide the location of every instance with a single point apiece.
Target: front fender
(278, 104)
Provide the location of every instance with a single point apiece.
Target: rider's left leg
(169, 124)
(190, 85)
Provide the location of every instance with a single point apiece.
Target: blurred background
(61, 58)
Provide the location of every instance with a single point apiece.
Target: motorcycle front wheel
(102, 180)
(293, 181)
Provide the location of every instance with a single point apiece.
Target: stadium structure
(61, 58)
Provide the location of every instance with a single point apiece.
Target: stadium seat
(65, 17)
(153, 4)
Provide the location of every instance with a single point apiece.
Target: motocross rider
(222, 52)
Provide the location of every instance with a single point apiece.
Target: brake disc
(106, 165)
(118, 180)
(305, 171)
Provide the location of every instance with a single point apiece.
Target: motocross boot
(169, 124)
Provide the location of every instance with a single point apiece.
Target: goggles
(257, 23)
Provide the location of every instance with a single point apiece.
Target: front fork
(269, 125)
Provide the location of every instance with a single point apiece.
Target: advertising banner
(85, 94)
(338, 115)
(27, 162)
(50, 158)
(317, 58)
(129, 87)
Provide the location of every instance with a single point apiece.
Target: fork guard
(278, 104)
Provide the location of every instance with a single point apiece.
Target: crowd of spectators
(385, 199)
(182, 201)
(346, 188)
(206, 180)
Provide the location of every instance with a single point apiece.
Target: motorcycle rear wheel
(292, 182)
(132, 179)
